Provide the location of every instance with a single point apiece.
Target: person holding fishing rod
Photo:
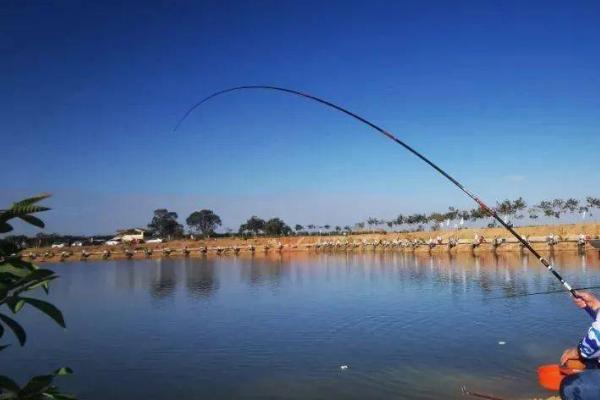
(587, 382)
(584, 385)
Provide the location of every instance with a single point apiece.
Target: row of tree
(205, 222)
(509, 210)
(164, 223)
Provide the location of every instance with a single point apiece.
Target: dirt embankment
(543, 238)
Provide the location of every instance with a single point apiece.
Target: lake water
(280, 327)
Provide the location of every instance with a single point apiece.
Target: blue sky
(504, 95)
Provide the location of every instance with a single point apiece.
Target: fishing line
(512, 296)
(482, 205)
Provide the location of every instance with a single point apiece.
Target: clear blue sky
(504, 95)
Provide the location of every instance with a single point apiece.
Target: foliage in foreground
(17, 279)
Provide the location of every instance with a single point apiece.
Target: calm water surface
(280, 327)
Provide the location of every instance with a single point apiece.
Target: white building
(133, 234)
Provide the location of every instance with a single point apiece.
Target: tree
(298, 228)
(552, 208)
(399, 220)
(478, 213)
(17, 278)
(518, 206)
(437, 219)
(372, 222)
(205, 221)
(254, 225)
(164, 224)
(464, 215)
(571, 206)
(533, 213)
(19, 241)
(592, 202)
(452, 214)
(504, 207)
(275, 226)
(417, 219)
(410, 220)
(512, 209)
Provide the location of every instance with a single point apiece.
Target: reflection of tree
(201, 278)
(165, 280)
(267, 270)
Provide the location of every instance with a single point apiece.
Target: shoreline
(545, 239)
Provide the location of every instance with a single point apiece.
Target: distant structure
(132, 235)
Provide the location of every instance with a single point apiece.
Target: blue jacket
(589, 347)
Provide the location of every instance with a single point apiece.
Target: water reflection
(492, 274)
(201, 279)
(266, 271)
(164, 281)
(254, 327)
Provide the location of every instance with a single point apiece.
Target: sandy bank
(549, 238)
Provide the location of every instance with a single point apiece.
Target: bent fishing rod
(482, 205)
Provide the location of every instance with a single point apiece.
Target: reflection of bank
(266, 271)
(164, 281)
(201, 279)
(490, 274)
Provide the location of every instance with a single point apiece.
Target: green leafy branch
(38, 387)
(17, 277)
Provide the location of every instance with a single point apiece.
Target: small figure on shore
(431, 243)
(497, 242)
(147, 252)
(186, 251)
(128, 253)
(106, 254)
(552, 240)
(581, 241)
(84, 255)
(452, 242)
(204, 250)
(478, 241)
(584, 385)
